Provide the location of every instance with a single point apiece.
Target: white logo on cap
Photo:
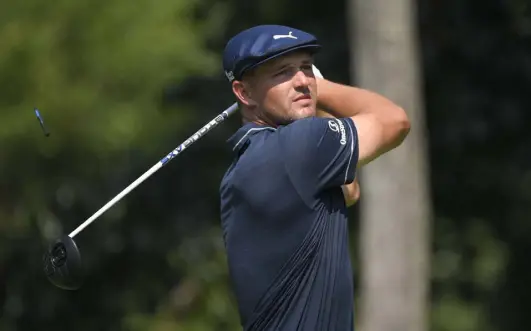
(280, 36)
(230, 75)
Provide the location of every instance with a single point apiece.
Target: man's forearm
(346, 101)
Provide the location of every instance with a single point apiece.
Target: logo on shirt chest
(337, 126)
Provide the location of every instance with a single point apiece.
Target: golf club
(62, 260)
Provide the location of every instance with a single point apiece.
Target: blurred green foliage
(97, 71)
(120, 84)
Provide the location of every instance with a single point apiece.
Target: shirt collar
(241, 137)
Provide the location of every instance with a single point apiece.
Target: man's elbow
(401, 126)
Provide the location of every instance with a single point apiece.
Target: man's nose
(301, 79)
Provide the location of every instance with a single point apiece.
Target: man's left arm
(351, 191)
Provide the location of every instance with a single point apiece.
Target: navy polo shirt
(284, 222)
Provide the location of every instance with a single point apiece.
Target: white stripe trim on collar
(249, 131)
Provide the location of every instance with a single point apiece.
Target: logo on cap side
(280, 36)
(230, 75)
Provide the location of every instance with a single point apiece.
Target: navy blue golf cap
(259, 44)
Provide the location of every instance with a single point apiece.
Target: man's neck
(250, 116)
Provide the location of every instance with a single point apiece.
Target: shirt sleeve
(320, 153)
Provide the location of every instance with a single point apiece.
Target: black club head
(62, 264)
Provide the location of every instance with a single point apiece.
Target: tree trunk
(395, 201)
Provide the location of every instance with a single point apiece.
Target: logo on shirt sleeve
(337, 126)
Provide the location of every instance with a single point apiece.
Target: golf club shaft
(209, 126)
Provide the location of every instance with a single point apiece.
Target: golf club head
(62, 264)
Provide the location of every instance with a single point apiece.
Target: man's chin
(305, 113)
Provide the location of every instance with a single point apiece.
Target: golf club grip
(200, 133)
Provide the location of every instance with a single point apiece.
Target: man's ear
(242, 92)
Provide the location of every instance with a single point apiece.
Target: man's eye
(283, 72)
(292, 71)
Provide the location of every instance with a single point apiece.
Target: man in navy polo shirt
(284, 198)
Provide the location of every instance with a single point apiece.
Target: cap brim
(313, 48)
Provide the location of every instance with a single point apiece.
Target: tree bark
(395, 202)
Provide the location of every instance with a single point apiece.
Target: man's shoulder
(258, 153)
